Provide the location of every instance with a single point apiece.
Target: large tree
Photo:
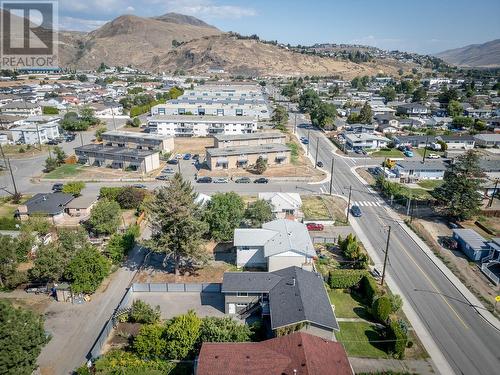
(455, 109)
(389, 93)
(308, 101)
(105, 217)
(175, 220)
(280, 117)
(8, 259)
(323, 115)
(223, 214)
(181, 335)
(459, 195)
(259, 212)
(86, 270)
(49, 264)
(22, 337)
(365, 114)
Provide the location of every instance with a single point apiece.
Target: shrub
(396, 302)
(181, 335)
(343, 279)
(110, 193)
(130, 197)
(119, 246)
(142, 312)
(369, 288)
(381, 309)
(149, 343)
(225, 329)
(398, 337)
(74, 187)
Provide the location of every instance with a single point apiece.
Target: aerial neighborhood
(223, 204)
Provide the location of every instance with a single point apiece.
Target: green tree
(136, 122)
(105, 217)
(141, 312)
(459, 195)
(259, 212)
(280, 117)
(260, 165)
(73, 187)
(226, 329)
(8, 259)
(49, 264)
(419, 95)
(381, 309)
(323, 115)
(396, 302)
(366, 114)
(86, 270)
(181, 335)
(175, 92)
(447, 95)
(463, 122)
(455, 109)
(479, 125)
(60, 155)
(149, 342)
(175, 221)
(223, 214)
(119, 246)
(21, 340)
(50, 164)
(99, 132)
(308, 101)
(131, 197)
(87, 115)
(389, 93)
(48, 110)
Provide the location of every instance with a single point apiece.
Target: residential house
(487, 140)
(21, 108)
(457, 142)
(81, 206)
(415, 141)
(107, 109)
(490, 167)
(414, 171)
(245, 156)
(490, 265)
(50, 205)
(472, 244)
(291, 297)
(360, 128)
(364, 140)
(284, 205)
(478, 113)
(387, 129)
(33, 133)
(278, 244)
(387, 119)
(413, 109)
(296, 353)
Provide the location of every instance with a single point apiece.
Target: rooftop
(114, 151)
(419, 166)
(205, 118)
(241, 150)
(474, 239)
(248, 136)
(122, 133)
(48, 203)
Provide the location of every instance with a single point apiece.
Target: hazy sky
(423, 26)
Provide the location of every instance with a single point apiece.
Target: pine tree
(176, 224)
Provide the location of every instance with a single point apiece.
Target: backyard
(325, 207)
(430, 184)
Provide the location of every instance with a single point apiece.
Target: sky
(422, 26)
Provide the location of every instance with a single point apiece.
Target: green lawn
(389, 152)
(430, 184)
(420, 151)
(360, 339)
(346, 306)
(314, 208)
(294, 152)
(65, 170)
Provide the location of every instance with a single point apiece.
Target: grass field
(347, 306)
(430, 184)
(65, 170)
(361, 339)
(294, 147)
(389, 152)
(314, 208)
(421, 151)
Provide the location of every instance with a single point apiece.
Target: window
(181, 111)
(242, 294)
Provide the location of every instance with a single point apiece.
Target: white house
(278, 244)
(21, 108)
(30, 134)
(364, 140)
(457, 142)
(412, 171)
(284, 205)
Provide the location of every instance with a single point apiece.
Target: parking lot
(176, 303)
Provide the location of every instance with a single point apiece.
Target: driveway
(177, 303)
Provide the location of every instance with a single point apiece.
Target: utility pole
(12, 177)
(493, 194)
(81, 138)
(408, 206)
(113, 115)
(386, 255)
(317, 149)
(425, 149)
(38, 134)
(348, 204)
(331, 175)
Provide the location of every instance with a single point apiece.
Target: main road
(467, 341)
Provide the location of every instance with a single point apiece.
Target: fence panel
(174, 287)
(158, 287)
(193, 287)
(141, 287)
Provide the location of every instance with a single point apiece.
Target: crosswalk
(368, 204)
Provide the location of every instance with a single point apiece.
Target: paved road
(467, 341)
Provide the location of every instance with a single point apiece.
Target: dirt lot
(193, 145)
(324, 208)
(468, 272)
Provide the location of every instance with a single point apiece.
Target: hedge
(369, 288)
(399, 338)
(343, 279)
(381, 309)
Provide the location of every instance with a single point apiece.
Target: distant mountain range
(486, 55)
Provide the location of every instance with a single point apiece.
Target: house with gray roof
(487, 140)
(475, 246)
(50, 205)
(413, 171)
(290, 297)
(278, 244)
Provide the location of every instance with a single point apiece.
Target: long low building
(252, 139)
(244, 156)
(227, 107)
(141, 141)
(200, 126)
(118, 157)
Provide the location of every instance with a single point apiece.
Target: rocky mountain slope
(486, 55)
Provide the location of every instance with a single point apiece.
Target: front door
(232, 308)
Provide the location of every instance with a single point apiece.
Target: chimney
(293, 281)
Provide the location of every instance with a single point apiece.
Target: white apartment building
(200, 126)
(227, 107)
(31, 134)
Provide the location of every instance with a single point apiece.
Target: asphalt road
(469, 343)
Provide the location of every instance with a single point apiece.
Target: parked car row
(225, 180)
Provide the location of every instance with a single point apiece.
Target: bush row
(345, 278)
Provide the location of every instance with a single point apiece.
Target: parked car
(243, 180)
(57, 187)
(187, 156)
(261, 180)
(163, 177)
(220, 180)
(173, 161)
(358, 151)
(408, 153)
(52, 142)
(139, 186)
(315, 227)
(204, 180)
(196, 157)
(168, 171)
(356, 211)
(433, 156)
(178, 156)
(305, 141)
(319, 164)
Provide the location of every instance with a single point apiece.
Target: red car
(314, 227)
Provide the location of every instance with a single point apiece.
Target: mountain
(129, 40)
(182, 19)
(486, 55)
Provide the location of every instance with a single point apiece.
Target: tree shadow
(216, 300)
(376, 339)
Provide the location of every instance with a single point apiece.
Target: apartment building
(21, 108)
(244, 156)
(141, 141)
(200, 126)
(252, 139)
(30, 134)
(225, 107)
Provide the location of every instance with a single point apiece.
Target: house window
(241, 294)
(245, 248)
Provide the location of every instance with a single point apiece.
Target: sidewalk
(371, 365)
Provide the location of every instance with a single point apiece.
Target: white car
(433, 156)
